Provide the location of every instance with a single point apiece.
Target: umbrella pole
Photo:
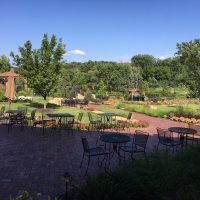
(9, 101)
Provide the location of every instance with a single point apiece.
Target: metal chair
(92, 152)
(122, 124)
(165, 138)
(2, 112)
(31, 118)
(194, 137)
(77, 123)
(138, 145)
(94, 123)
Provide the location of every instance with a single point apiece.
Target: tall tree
(41, 66)
(143, 60)
(4, 63)
(189, 53)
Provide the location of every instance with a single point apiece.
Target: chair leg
(82, 160)
(87, 165)
(157, 146)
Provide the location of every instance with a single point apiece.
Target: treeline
(103, 79)
(110, 78)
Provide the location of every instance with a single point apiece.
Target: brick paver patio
(35, 161)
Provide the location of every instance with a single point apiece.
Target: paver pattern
(36, 161)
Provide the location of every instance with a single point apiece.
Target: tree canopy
(189, 53)
(41, 66)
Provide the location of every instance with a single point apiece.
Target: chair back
(90, 116)
(2, 109)
(33, 114)
(163, 134)
(129, 116)
(85, 144)
(80, 116)
(141, 138)
(195, 127)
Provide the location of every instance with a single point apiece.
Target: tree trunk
(45, 102)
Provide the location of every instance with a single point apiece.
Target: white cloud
(162, 57)
(75, 52)
(125, 59)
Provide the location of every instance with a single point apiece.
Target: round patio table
(183, 132)
(114, 139)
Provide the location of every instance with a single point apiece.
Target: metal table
(60, 116)
(107, 118)
(183, 132)
(114, 139)
(20, 111)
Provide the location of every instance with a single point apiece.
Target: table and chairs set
(109, 121)
(175, 137)
(45, 120)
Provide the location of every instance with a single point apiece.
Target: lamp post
(67, 179)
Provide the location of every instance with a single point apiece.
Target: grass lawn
(162, 110)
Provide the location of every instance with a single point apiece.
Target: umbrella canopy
(10, 73)
(10, 84)
(10, 88)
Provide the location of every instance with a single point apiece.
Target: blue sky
(111, 30)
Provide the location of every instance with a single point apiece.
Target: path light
(68, 180)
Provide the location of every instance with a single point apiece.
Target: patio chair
(165, 137)
(2, 112)
(94, 123)
(194, 137)
(92, 152)
(77, 123)
(138, 145)
(122, 124)
(42, 122)
(31, 118)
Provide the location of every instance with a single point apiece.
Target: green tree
(143, 60)
(41, 66)
(189, 53)
(4, 63)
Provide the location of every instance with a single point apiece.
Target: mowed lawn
(38, 104)
(162, 110)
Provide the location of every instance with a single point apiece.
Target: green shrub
(24, 93)
(2, 97)
(164, 177)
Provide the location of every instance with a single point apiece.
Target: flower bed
(134, 123)
(195, 119)
(139, 124)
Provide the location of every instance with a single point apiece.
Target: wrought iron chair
(97, 124)
(122, 124)
(92, 152)
(77, 123)
(2, 112)
(138, 145)
(194, 137)
(165, 138)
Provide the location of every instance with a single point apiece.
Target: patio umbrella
(10, 84)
